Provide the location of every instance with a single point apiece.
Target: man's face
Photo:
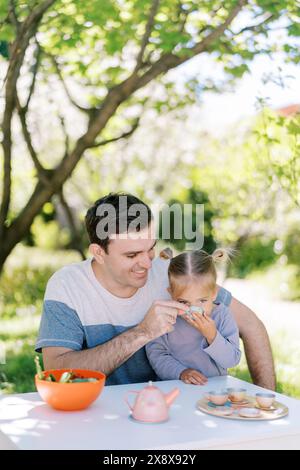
(129, 260)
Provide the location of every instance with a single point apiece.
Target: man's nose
(145, 261)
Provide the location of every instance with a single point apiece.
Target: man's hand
(192, 376)
(161, 317)
(204, 324)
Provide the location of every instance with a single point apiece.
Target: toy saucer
(213, 405)
(146, 422)
(264, 408)
(239, 403)
(223, 410)
(249, 413)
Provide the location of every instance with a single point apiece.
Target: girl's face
(197, 292)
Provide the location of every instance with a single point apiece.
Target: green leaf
(293, 128)
(294, 29)
(7, 33)
(4, 50)
(237, 70)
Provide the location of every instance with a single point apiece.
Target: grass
(17, 375)
(18, 335)
(21, 297)
(22, 290)
(286, 356)
(281, 278)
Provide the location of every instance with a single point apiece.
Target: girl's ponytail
(193, 264)
(166, 253)
(221, 255)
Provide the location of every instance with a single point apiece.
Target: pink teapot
(151, 404)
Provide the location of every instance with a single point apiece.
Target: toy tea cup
(194, 309)
(265, 399)
(237, 395)
(217, 397)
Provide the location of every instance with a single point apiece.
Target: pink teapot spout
(171, 396)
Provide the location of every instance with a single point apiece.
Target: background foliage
(106, 104)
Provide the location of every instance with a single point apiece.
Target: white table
(28, 423)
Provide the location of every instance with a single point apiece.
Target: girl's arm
(224, 349)
(162, 362)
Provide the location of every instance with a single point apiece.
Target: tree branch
(34, 74)
(59, 74)
(42, 193)
(27, 137)
(5, 20)
(76, 238)
(147, 34)
(67, 140)
(219, 30)
(125, 135)
(36, 15)
(185, 14)
(169, 60)
(256, 26)
(110, 104)
(121, 92)
(26, 31)
(12, 15)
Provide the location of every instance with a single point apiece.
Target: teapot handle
(126, 398)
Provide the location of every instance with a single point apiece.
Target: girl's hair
(194, 264)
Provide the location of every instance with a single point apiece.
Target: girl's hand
(204, 324)
(192, 376)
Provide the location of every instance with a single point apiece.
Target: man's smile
(140, 272)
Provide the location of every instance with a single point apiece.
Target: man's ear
(97, 252)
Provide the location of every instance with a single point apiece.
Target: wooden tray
(278, 410)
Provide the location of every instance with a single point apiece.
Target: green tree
(251, 177)
(192, 197)
(280, 136)
(112, 50)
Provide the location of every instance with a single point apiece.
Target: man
(100, 313)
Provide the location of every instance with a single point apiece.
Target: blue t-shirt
(79, 313)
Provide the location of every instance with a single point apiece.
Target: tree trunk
(13, 234)
(54, 179)
(3, 257)
(76, 239)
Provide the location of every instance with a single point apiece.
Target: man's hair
(120, 221)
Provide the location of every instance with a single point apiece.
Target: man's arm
(109, 356)
(105, 357)
(256, 344)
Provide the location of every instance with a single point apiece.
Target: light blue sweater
(186, 348)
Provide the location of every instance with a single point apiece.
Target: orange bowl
(70, 396)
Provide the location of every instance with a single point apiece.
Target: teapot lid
(150, 386)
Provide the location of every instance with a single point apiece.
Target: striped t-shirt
(79, 313)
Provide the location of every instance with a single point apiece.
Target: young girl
(205, 341)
